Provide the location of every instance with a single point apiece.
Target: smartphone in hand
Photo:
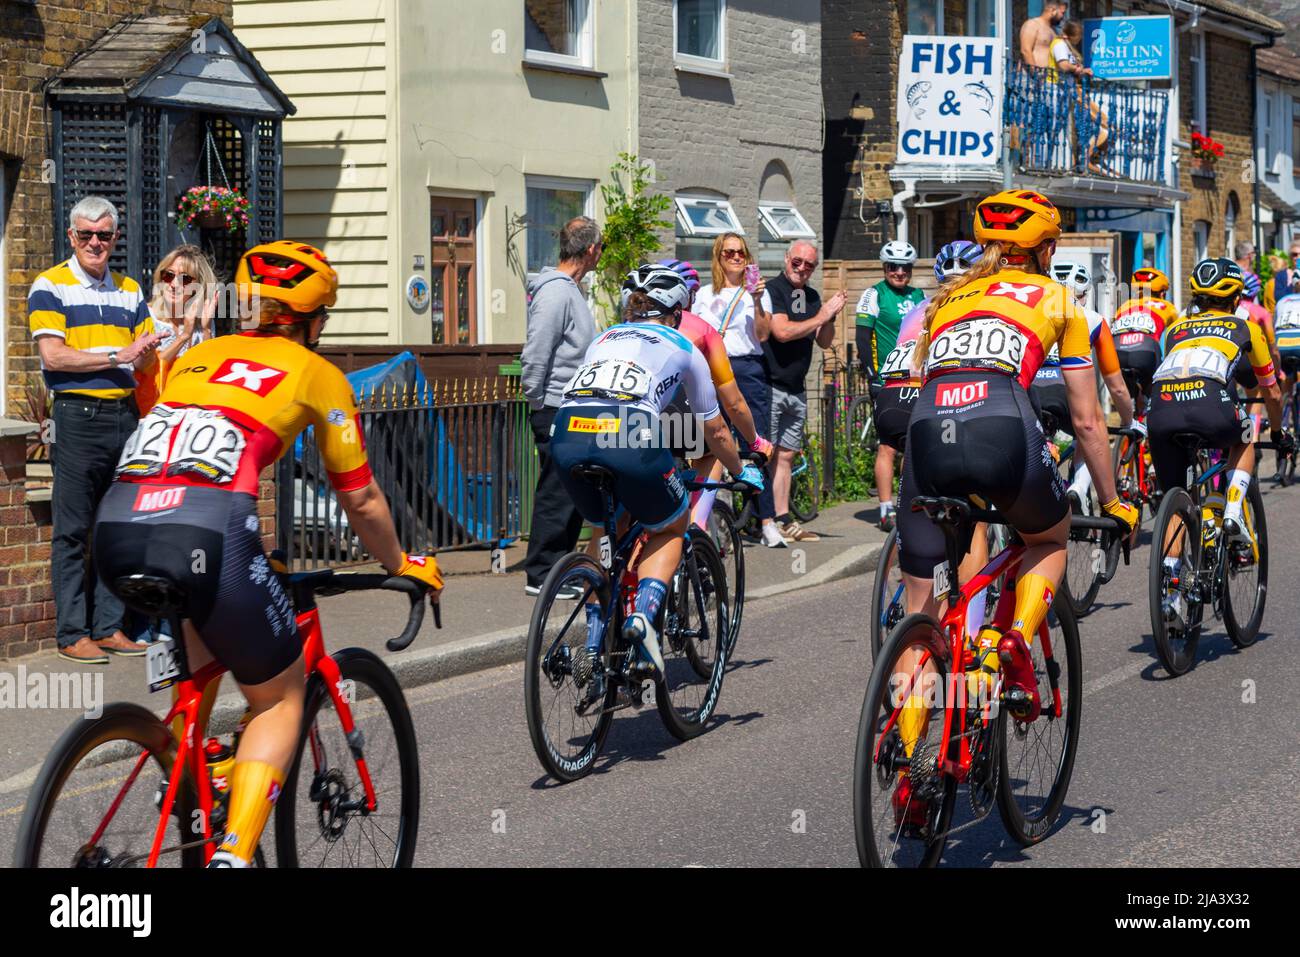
(752, 275)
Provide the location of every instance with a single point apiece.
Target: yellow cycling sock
(986, 657)
(254, 788)
(1033, 597)
(911, 719)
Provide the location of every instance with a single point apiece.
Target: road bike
(127, 789)
(966, 737)
(566, 724)
(1230, 577)
(805, 493)
(1286, 464)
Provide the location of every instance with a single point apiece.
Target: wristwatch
(112, 359)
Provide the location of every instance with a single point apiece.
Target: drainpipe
(900, 198)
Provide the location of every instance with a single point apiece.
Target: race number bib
(615, 378)
(898, 364)
(1196, 363)
(1288, 313)
(985, 343)
(1136, 321)
(169, 441)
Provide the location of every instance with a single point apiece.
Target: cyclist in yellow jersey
(974, 431)
(187, 484)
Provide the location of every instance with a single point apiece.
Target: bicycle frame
(189, 756)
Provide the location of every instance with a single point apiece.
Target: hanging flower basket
(214, 207)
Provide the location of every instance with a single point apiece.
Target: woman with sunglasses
(182, 306)
(736, 303)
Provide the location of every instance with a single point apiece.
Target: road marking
(1130, 670)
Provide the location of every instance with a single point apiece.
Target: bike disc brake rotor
(330, 792)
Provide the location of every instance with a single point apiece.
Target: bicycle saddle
(1188, 440)
(152, 595)
(597, 475)
(952, 511)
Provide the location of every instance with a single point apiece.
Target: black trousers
(89, 435)
(556, 520)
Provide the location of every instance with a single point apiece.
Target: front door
(453, 271)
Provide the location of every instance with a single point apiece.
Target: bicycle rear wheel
(726, 537)
(909, 831)
(887, 600)
(693, 640)
(1087, 561)
(1246, 575)
(321, 819)
(566, 730)
(1036, 760)
(1175, 643)
(125, 754)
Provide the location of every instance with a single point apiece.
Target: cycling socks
(1033, 596)
(1238, 482)
(254, 788)
(650, 594)
(595, 628)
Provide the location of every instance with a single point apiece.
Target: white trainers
(638, 631)
(772, 536)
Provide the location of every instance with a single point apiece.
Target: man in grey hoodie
(560, 328)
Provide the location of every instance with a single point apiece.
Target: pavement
(485, 624)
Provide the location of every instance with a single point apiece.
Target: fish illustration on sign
(982, 95)
(917, 94)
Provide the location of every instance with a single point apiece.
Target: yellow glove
(423, 568)
(1123, 511)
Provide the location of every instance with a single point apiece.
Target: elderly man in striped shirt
(92, 328)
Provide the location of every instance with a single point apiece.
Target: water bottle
(220, 760)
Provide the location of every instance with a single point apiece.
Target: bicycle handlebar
(333, 583)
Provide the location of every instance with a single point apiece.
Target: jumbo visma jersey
(1212, 345)
(234, 404)
(1008, 323)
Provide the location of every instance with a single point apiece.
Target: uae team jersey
(1212, 345)
(232, 405)
(642, 364)
(1007, 323)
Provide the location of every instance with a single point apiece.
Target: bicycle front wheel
(887, 603)
(693, 640)
(323, 818)
(1246, 574)
(71, 819)
(1177, 533)
(726, 537)
(902, 801)
(1087, 560)
(1037, 759)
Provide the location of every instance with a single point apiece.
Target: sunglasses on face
(893, 267)
(733, 254)
(168, 277)
(802, 264)
(105, 235)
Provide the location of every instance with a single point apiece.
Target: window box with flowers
(1206, 152)
(214, 207)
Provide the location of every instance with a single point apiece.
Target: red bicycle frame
(189, 753)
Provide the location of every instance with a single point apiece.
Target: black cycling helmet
(1217, 278)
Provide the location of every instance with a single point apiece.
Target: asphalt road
(1194, 771)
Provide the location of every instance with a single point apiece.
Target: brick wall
(37, 41)
(26, 601)
(721, 134)
(1228, 116)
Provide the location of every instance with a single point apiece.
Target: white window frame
(586, 57)
(992, 23)
(587, 186)
(690, 59)
(1200, 240)
(1199, 99)
(688, 230)
(768, 222)
(1268, 123)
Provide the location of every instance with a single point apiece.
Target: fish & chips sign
(950, 100)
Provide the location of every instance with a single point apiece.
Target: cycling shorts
(1138, 364)
(1051, 399)
(892, 411)
(627, 442)
(975, 434)
(208, 542)
(1202, 406)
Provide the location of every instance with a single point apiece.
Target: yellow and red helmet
(1017, 217)
(1151, 279)
(290, 272)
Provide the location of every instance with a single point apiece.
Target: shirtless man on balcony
(1037, 34)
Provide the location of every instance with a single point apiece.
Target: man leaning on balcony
(92, 328)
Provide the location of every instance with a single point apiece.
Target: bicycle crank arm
(129, 861)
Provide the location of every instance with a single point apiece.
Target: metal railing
(1061, 124)
(458, 465)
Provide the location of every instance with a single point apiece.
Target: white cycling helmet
(898, 252)
(1074, 276)
(665, 287)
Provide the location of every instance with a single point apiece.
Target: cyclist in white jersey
(611, 417)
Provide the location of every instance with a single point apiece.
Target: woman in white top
(738, 306)
(1068, 59)
(183, 303)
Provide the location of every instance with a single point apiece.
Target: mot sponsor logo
(962, 393)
